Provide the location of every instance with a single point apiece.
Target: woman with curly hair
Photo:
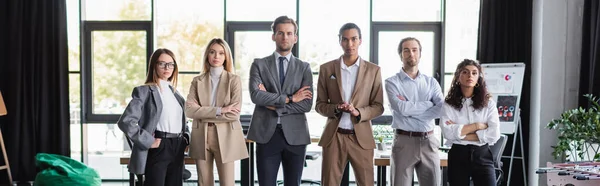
(470, 124)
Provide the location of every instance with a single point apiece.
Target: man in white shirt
(416, 100)
(350, 95)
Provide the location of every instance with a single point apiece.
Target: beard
(284, 48)
(411, 62)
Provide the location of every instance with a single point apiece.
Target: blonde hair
(227, 64)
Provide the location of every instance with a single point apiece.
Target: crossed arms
(300, 102)
(483, 132)
(421, 110)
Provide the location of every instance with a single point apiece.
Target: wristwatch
(291, 98)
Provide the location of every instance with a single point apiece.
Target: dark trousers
(278, 151)
(466, 162)
(164, 165)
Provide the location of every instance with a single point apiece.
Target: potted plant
(380, 144)
(578, 132)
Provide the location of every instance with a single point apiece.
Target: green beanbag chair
(62, 170)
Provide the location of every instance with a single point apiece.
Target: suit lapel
(221, 88)
(359, 83)
(274, 72)
(338, 74)
(156, 98)
(204, 90)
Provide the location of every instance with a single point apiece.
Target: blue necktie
(281, 73)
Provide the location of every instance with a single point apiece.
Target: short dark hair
(408, 39)
(283, 20)
(349, 26)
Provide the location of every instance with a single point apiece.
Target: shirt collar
(403, 74)
(277, 55)
(343, 65)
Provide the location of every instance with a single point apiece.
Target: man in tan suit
(350, 94)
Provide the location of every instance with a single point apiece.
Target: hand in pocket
(156, 143)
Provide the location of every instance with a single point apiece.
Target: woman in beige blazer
(214, 102)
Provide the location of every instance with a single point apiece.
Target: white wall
(561, 53)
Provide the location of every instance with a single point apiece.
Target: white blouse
(468, 115)
(172, 113)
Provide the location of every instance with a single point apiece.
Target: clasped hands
(302, 94)
(349, 108)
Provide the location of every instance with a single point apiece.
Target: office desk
(382, 164)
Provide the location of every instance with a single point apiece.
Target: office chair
(497, 150)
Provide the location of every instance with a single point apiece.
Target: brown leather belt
(345, 131)
(211, 124)
(417, 134)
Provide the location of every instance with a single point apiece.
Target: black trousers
(164, 166)
(275, 152)
(466, 162)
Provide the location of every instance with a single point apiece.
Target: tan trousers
(345, 147)
(410, 153)
(205, 167)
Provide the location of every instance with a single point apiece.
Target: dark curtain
(34, 82)
(505, 36)
(589, 80)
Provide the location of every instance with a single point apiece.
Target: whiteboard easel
(505, 82)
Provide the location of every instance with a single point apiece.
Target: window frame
(86, 62)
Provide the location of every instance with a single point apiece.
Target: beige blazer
(197, 106)
(367, 97)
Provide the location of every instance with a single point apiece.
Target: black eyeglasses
(165, 65)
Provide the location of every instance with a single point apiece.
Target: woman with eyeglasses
(470, 124)
(154, 121)
(214, 103)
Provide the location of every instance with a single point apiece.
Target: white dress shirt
(172, 113)
(423, 101)
(285, 66)
(349, 75)
(469, 115)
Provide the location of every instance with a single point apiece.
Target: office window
(118, 65)
(185, 27)
(462, 26)
(116, 10)
(260, 10)
(407, 10)
(320, 22)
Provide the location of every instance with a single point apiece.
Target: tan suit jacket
(231, 138)
(367, 97)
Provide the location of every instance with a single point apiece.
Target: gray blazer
(139, 122)
(293, 117)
